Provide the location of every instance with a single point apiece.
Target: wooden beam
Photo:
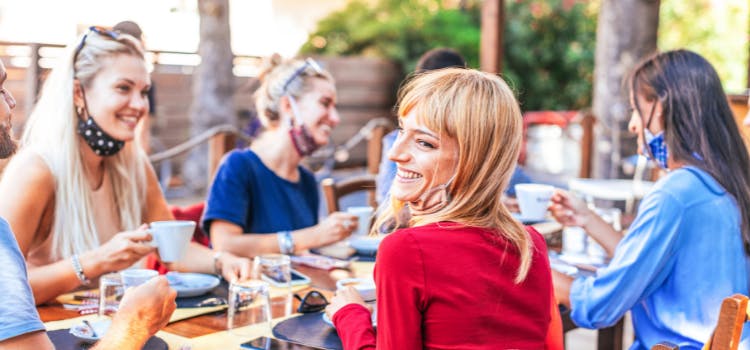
(493, 27)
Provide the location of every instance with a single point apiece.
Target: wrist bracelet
(79, 270)
(286, 244)
(217, 268)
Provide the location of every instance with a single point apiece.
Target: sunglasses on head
(309, 62)
(98, 30)
(313, 301)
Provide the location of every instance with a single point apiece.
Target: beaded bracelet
(79, 270)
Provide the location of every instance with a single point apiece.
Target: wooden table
(325, 282)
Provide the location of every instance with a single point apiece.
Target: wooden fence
(366, 89)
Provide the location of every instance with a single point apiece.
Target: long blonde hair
(51, 132)
(480, 111)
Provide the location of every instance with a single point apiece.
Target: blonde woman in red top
(462, 274)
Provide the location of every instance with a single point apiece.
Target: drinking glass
(276, 269)
(249, 312)
(111, 290)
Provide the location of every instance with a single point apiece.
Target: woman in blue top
(263, 189)
(688, 246)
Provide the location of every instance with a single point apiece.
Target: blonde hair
(480, 111)
(278, 80)
(51, 132)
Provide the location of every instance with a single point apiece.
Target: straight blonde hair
(480, 111)
(51, 133)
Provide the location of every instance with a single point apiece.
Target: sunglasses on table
(313, 301)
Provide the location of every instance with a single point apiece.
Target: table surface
(321, 280)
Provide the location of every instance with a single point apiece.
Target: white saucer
(192, 284)
(365, 245)
(83, 332)
(526, 221)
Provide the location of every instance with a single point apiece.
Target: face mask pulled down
(657, 146)
(432, 200)
(99, 140)
(302, 139)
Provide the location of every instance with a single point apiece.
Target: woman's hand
(335, 227)
(234, 268)
(344, 297)
(120, 252)
(569, 210)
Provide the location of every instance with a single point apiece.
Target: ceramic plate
(365, 245)
(83, 332)
(192, 284)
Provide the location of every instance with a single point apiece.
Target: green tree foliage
(399, 30)
(549, 53)
(715, 29)
(549, 50)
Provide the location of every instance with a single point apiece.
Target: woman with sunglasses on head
(463, 274)
(262, 200)
(688, 247)
(79, 191)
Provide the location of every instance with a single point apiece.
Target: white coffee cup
(136, 277)
(533, 200)
(172, 238)
(365, 286)
(364, 216)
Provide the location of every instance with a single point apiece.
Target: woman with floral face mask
(463, 274)
(79, 191)
(688, 246)
(262, 200)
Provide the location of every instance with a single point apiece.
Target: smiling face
(424, 158)
(7, 104)
(117, 96)
(317, 109)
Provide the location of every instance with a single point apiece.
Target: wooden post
(32, 78)
(493, 27)
(218, 145)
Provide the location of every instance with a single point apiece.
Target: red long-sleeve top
(449, 286)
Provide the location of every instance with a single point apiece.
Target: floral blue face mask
(658, 147)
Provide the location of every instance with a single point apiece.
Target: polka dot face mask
(100, 142)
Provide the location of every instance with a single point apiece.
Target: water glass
(574, 240)
(249, 305)
(111, 290)
(276, 269)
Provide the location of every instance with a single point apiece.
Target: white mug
(364, 216)
(365, 286)
(172, 238)
(533, 200)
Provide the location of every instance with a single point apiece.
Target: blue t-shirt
(249, 194)
(682, 256)
(18, 313)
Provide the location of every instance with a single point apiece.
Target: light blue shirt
(18, 313)
(682, 256)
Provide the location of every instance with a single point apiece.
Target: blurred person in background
(262, 199)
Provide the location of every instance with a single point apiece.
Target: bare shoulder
(28, 170)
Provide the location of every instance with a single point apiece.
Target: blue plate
(191, 284)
